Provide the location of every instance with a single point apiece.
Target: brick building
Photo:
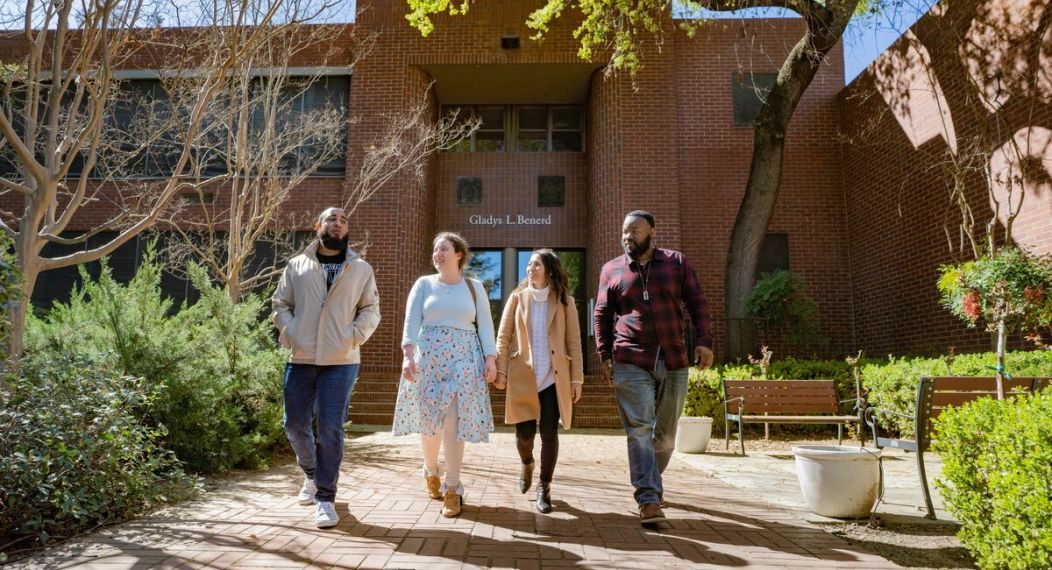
(564, 151)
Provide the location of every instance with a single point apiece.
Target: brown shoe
(433, 486)
(650, 513)
(453, 504)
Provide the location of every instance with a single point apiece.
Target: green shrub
(997, 469)
(221, 403)
(780, 299)
(892, 384)
(75, 450)
(10, 289)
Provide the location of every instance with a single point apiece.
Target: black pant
(525, 432)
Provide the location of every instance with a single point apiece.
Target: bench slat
(783, 392)
(775, 383)
(977, 384)
(790, 397)
(798, 419)
(786, 409)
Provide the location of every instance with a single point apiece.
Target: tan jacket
(515, 357)
(325, 326)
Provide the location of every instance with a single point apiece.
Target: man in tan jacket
(326, 306)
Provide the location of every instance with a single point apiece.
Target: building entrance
(501, 270)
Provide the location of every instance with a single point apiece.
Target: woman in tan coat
(539, 361)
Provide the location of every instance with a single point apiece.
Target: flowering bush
(1009, 287)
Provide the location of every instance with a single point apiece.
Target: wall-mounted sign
(510, 220)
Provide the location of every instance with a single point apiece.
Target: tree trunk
(28, 263)
(757, 206)
(825, 26)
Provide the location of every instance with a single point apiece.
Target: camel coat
(515, 357)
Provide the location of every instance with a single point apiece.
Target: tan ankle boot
(433, 486)
(453, 504)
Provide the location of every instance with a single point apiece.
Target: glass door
(486, 265)
(573, 261)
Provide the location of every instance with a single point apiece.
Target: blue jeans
(321, 393)
(649, 404)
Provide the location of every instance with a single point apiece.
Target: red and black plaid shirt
(635, 331)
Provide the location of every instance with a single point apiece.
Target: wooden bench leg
(924, 486)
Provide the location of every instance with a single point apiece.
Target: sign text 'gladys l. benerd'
(510, 220)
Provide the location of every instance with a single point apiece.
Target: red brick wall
(911, 115)
(714, 158)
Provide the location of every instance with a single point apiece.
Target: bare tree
(409, 138)
(65, 148)
(269, 141)
(264, 154)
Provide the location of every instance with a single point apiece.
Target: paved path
(389, 522)
(771, 476)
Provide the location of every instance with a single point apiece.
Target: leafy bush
(892, 384)
(75, 450)
(1011, 285)
(10, 288)
(221, 403)
(780, 299)
(997, 465)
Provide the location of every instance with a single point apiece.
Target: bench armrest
(736, 399)
(872, 411)
(870, 417)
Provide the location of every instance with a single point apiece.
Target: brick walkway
(388, 521)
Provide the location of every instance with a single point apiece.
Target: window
(774, 254)
(139, 116)
(749, 91)
(533, 129)
(522, 128)
(567, 130)
(487, 265)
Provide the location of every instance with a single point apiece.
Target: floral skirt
(450, 366)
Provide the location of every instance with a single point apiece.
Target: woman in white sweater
(449, 357)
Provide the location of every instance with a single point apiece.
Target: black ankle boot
(544, 497)
(526, 477)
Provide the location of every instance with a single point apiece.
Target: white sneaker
(307, 492)
(325, 516)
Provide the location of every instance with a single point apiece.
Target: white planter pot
(838, 480)
(692, 434)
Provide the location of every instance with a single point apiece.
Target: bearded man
(325, 307)
(639, 339)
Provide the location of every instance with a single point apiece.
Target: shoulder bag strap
(474, 300)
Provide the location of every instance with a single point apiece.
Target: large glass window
(522, 128)
(140, 115)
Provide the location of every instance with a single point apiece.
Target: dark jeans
(527, 430)
(321, 393)
(650, 403)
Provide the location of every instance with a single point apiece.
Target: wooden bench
(783, 402)
(934, 395)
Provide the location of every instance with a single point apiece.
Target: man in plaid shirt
(639, 338)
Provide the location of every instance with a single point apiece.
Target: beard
(634, 250)
(330, 241)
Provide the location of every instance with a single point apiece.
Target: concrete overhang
(512, 83)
